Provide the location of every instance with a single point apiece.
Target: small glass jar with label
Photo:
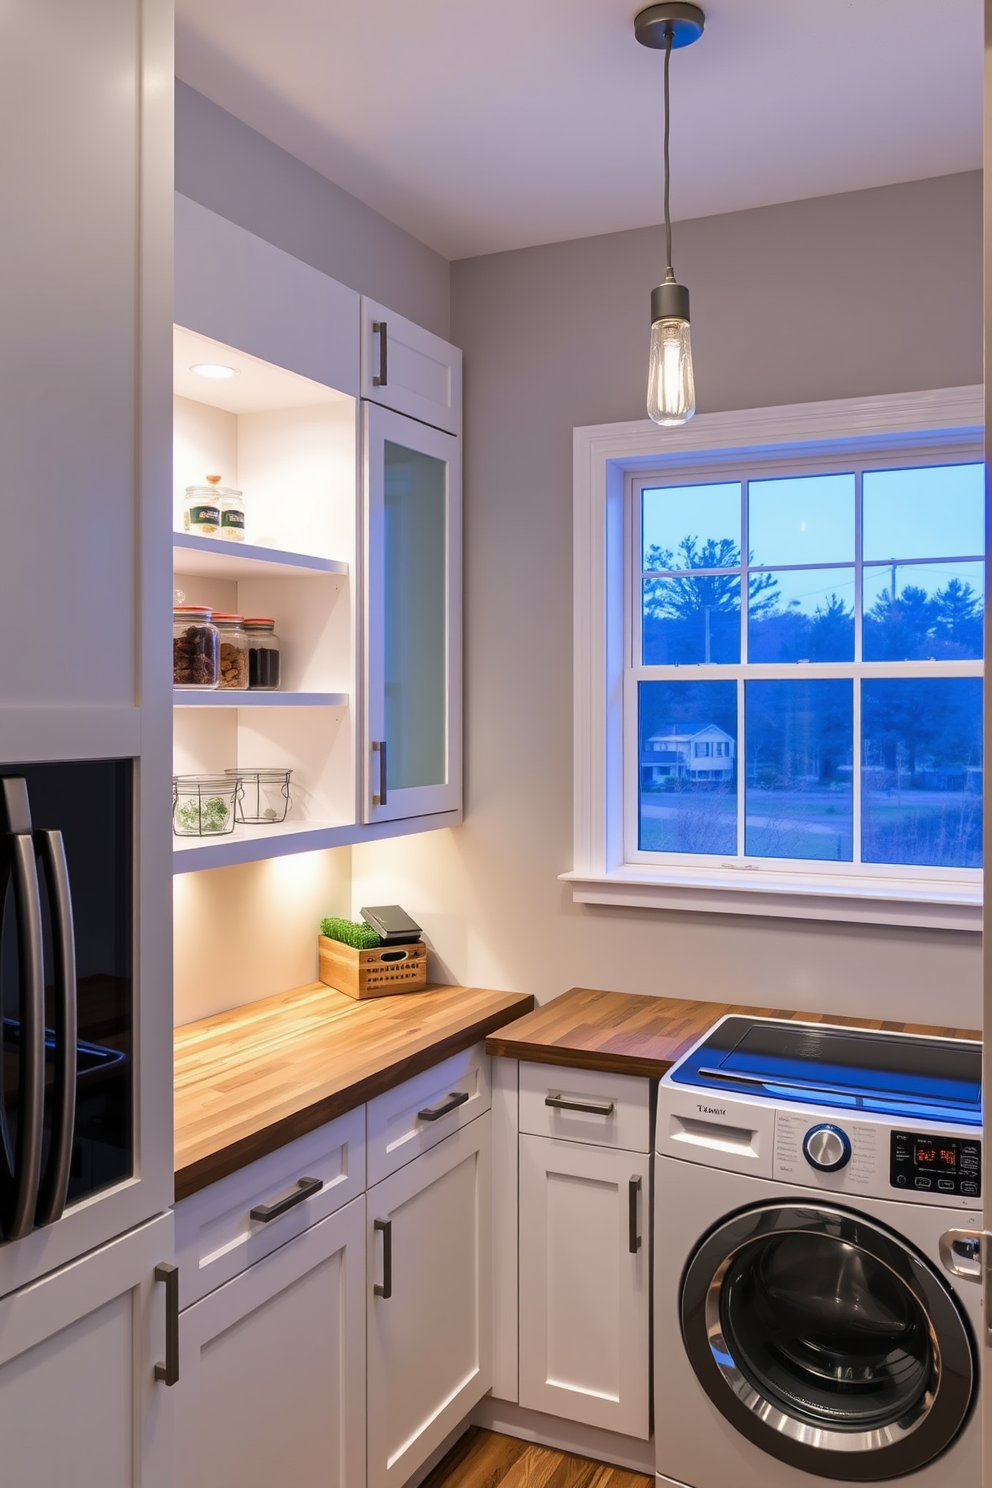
(233, 647)
(263, 654)
(201, 513)
(195, 658)
(232, 514)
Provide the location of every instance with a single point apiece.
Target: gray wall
(226, 166)
(872, 292)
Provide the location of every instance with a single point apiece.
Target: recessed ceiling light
(213, 369)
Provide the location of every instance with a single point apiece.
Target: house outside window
(779, 661)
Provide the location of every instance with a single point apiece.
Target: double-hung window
(779, 672)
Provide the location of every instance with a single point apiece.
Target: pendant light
(671, 390)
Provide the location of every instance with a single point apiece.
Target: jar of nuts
(233, 652)
(194, 647)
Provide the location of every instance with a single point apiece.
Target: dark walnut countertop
(252, 1079)
(625, 1033)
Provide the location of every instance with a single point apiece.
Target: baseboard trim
(564, 1436)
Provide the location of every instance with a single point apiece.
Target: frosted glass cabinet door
(412, 618)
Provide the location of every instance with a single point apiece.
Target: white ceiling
(480, 125)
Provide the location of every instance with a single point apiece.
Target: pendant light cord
(669, 271)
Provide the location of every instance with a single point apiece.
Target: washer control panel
(935, 1164)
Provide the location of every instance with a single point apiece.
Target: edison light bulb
(671, 392)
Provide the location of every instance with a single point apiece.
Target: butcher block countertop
(252, 1079)
(627, 1034)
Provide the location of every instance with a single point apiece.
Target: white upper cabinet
(410, 370)
(240, 290)
(84, 316)
(412, 755)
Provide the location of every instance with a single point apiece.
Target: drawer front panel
(577, 1105)
(216, 1235)
(418, 1114)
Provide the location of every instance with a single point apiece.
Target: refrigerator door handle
(19, 1208)
(55, 1178)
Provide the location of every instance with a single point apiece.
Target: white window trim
(604, 456)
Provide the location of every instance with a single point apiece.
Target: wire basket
(263, 795)
(203, 805)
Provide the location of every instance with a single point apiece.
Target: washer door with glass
(828, 1341)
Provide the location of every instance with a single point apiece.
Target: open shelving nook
(290, 444)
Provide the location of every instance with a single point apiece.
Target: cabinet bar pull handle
(434, 1113)
(305, 1189)
(385, 1291)
(55, 1179)
(168, 1372)
(382, 798)
(633, 1189)
(379, 329)
(594, 1108)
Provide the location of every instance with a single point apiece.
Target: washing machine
(818, 1296)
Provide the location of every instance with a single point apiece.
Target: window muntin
(854, 578)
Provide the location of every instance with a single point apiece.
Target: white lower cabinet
(79, 1401)
(272, 1368)
(584, 1322)
(429, 1287)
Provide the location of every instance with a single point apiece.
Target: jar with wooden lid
(263, 653)
(195, 651)
(233, 652)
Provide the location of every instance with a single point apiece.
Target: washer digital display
(936, 1164)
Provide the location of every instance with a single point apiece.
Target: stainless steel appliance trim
(850, 1455)
(55, 1179)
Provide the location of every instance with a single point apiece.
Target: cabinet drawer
(399, 1127)
(618, 1114)
(216, 1236)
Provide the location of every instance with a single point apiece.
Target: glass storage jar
(194, 647)
(233, 652)
(201, 513)
(203, 805)
(263, 795)
(263, 653)
(232, 514)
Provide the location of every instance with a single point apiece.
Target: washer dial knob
(827, 1148)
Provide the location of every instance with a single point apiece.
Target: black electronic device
(936, 1163)
(392, 924)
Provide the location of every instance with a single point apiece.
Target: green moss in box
(350, 932)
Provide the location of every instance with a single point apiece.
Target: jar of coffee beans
(263, 654)
(233, 652)
(195, 660)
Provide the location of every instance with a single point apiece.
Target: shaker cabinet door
(85, 335)
(584, 1284)
(409, 369)
(429, 1284)
(272, 1368)
(79, 1401)
(413, 724)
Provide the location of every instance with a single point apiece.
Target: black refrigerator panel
(66, 985)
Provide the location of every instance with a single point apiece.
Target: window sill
(930, 904)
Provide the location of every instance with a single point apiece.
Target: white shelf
(220, 559)
(182, 698)
(251, 844)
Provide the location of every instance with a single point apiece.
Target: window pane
(798, 782)
(921, 771)
(803, 519)
(687, 750)
(804, 614)
(689, 621)
(937, 612)
(937, 512)
(691, 526)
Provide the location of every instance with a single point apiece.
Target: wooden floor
(482, 1459)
